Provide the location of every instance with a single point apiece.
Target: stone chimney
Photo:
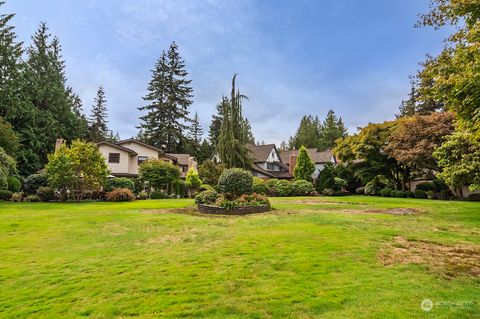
(292, 163)
(59, 143)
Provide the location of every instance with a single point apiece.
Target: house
(269, 162)
(319, 158)
(124, 157)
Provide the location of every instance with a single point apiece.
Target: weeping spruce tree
(231, 147)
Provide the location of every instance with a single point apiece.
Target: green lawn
(310, 258)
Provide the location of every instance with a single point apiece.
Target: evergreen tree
(169, 96)
(307, 134)
(408, 107)
(98, 129)
(331, 130)
(304, 167)
(283, 146)
(215, 125)
(46, 112)
(205, 152)
(231, 146)
(10, 54)
(195, 134)
(247, 132)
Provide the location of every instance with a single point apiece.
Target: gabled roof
(316, 156)
(273, 174)
(260, 152)
(133, 140)
(182, 159)
(129, 151)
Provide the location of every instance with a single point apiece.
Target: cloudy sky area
(293, 57)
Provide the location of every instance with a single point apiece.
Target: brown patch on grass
(451, 260)
(318, 201)
(114, 229)
(388, 211)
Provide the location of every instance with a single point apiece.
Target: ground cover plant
(329, 257)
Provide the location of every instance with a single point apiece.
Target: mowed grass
(309, 258)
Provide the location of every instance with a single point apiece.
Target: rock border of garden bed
(242, 210)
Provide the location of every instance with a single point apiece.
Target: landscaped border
(242, 210)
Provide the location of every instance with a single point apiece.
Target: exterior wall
(273, 156)
(141, 151)
(125, 158)
(318, 169)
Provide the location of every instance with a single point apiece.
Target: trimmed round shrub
(14, 184)
(340, 183)
(374, 186)
(328, 192)
(206, 197)
(360, 190)
(235, 182)
(119, 182)
(284, 188)
(386, 192)
(158, 195)
(302, 188)
(120, 195)
(5, 194)
(45, 194)
(420, 193)
(272, 186)
(31, 198)
(426, 186)
(33, 182)
(210, 172)
(259, 186)
(17, 197)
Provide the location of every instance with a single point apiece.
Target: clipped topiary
(386, 192)
(5, 194)
(235, 182)
(419, 193)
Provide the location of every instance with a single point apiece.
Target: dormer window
(270, 166)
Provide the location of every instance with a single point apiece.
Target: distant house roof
(132, 152)
(260, 152)
(316, 156)
(272, 174)
(182, 159)
(133, 140)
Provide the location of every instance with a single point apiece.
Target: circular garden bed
(241, 210)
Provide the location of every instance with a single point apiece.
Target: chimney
(59, 143)
(292, 163)
(192, 163)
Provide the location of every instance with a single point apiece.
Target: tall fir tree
(307, 134)
(48, 109)
(195, 134)
(231, 147)
(169, 97)
(10, 70)
(408, 107)
(331, 130)
(215, 125)
(97, 121)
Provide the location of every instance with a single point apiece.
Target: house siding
(125, 159)
(141, 151)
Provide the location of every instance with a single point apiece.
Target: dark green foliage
(216, 125)
(302, 188)
(97, 122)
(120, 195)
(205, 152)
(235, 182)
(158, 195)
(210, 171)
(420, 193)
(259, 186)
(45, 194)
(5, 194)
(195, 133)
(8, 139)
(474, 197)
(231, 147)
(328, 192)
(374, 187)
(7, 168)
(14, 184)
(272, 186)
(426, 186)
(430, 194)
(284, 188)
(331, 130)
(206, 197)
(119, 182)
(326, 178)
(158, 174)
(168, 99)
(304, 167)
(33, 182)
(347, 172)
(386, 192)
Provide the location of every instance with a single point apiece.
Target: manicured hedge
(235, 182)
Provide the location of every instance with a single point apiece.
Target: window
(184, 169)
(142, 159)
(270, 166)
(114, 157)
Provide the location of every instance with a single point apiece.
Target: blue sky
(293, 57)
